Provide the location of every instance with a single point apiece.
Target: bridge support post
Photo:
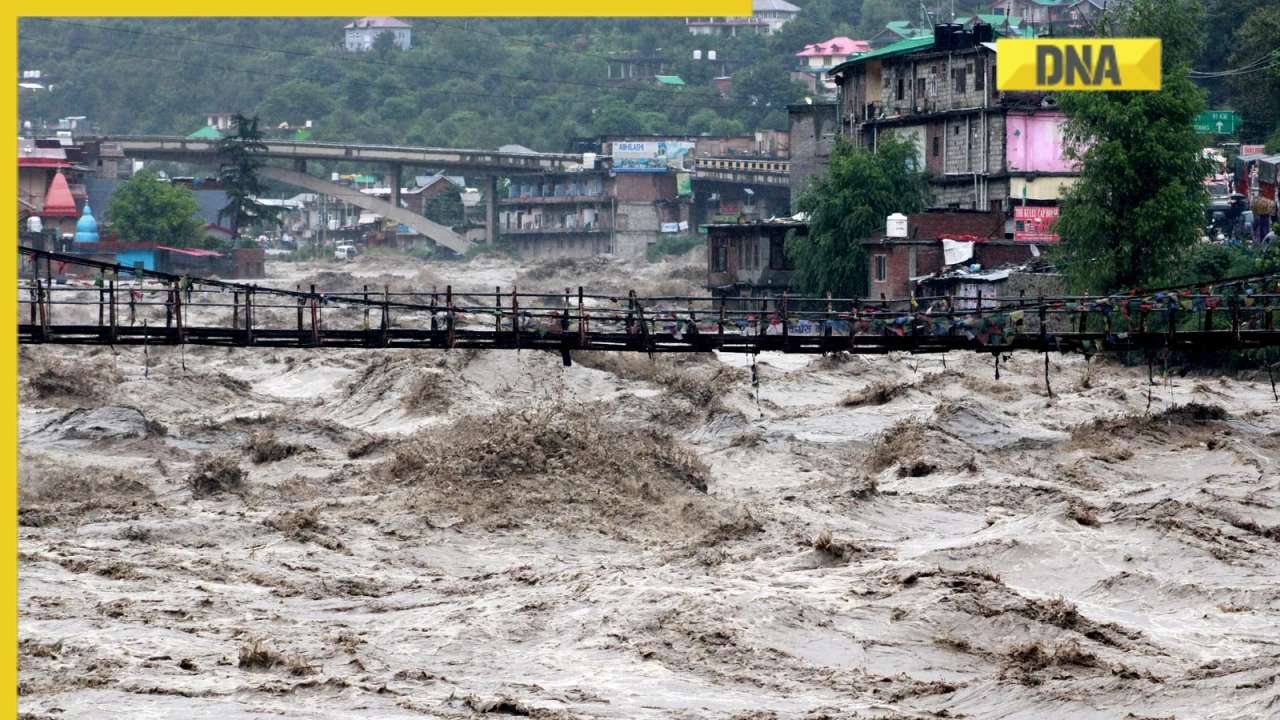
(300, 164)
(393, 182)
(491, 209)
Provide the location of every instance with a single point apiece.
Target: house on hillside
(767, 17)
(360, 35)
(1060, 15)
(818, 58)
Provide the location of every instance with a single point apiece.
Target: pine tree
(238, 172)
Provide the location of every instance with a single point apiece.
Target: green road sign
(1217, 122)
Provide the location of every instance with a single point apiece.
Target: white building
(767, 16)
(361, 34)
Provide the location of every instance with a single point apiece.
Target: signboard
(670, 227)
(1218, 122)
(1078, 64)
(1252, 149)
(659, 156)
(684, 184)
(1034, 223)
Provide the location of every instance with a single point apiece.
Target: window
(901, 89)
(955, 129)
(719, 257)
(777, 253)
(881, 268)
(960, 79)
(919, 88)
(979, 74)
(937, 145)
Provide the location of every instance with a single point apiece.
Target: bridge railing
(743, 165)
(69, 298)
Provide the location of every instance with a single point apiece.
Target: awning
(191, 252)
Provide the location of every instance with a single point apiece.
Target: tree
(1137, 208)
(846, 205)
(238, 172)
(147, 209)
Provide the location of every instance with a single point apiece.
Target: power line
(1255, 66)
(467, 72)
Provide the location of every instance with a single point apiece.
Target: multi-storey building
(592, 212)
(980, 148)
(767, 17)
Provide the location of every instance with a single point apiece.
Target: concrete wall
(1034, 142)
(812, 130)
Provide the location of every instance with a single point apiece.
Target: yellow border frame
(230, 8)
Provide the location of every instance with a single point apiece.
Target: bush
(675, 245)
(215, 474)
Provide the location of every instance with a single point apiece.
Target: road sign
(1218, 122)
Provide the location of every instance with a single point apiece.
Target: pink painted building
(1034, 144)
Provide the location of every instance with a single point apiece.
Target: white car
(345, 252)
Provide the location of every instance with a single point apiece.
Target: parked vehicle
(345, 252)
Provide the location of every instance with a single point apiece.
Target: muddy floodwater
(250, 533)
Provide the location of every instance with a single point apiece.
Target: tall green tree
(1137, 208)
(147, 209)
(240, 157)
(848, 204)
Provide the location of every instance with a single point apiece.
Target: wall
(1041, 188)
(812, 130)
(1034, 142)
(129, 258)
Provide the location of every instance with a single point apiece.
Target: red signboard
(1034, 224)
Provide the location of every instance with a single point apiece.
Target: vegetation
(240, 156)
(1136, 211)
(848, 204)
(672, 246)
(465, 82)
(147, 209)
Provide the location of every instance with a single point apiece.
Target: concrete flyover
(439, 233)
(478, 162)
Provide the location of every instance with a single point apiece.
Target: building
(220, 121)
(750, 259)
(981, 149)
(360, 35)
(767, 17)
(966, 289)
(818, 58)
(594, 211)
(811, 131)
(1058, 16)
(935, 240)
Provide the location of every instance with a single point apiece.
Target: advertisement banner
(684, 184)
(1034, 224)
(650, 156)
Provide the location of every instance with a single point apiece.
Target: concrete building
(812, 129)
(360, 35)
(1059, 16)
(981, 149)
(895, 264)
(767, 17)
(750, 259)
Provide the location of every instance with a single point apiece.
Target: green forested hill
(484, 83)
(466, 82)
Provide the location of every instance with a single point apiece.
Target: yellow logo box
(1078, 64)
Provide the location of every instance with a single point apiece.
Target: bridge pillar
(491, 209)
(300, 164)
(393, 182)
